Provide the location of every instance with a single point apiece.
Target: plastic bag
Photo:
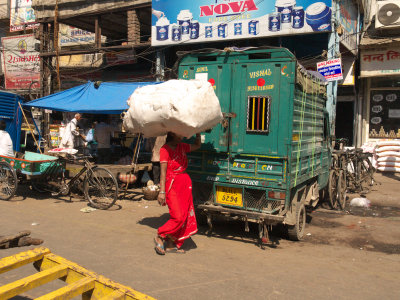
(360, 202)
(185, 107)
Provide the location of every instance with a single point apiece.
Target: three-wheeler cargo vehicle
(269, 158)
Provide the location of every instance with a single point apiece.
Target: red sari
(178, 187)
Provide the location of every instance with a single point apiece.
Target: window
(258, 114)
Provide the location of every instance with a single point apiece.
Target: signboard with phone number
(384, 112)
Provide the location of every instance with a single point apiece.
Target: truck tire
(296, 232)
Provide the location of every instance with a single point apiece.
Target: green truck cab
(269, 158)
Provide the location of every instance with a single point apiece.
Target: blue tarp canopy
(11, 113)
(93, 98)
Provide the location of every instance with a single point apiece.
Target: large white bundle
(387, 148)
(389, 169)
(388, 143)
(389, 153)
(389, 158)
(185, 107)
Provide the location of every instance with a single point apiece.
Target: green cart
(31, 167)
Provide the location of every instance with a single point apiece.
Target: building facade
(380, 73)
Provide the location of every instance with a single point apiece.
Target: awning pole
(29, 126)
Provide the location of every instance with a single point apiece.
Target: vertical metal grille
(256, 200)
(258, 114)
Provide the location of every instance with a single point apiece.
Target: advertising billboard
(22, 16)
(178, 21)
(21, 63)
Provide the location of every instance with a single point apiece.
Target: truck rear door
(256, 102)
(219, 75)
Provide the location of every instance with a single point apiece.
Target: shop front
(380, 70)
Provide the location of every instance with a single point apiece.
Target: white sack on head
(185, 107)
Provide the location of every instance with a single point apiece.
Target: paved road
(346, 255)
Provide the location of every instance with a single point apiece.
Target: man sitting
(6, 144)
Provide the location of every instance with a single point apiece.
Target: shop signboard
(380, 61)
(331, 69)
(384, 113)
(348, 19)
(72, 36)
(92, 60)
(21, 63)
(22, 15)
(179, 21)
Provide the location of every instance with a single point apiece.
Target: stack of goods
(388, 153)
(370, 147)
(185, 107)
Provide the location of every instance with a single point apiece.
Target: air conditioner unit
(387, 14)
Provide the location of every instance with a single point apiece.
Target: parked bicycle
(97, 184)
(352, 171)
(337, 187)
(359, 171)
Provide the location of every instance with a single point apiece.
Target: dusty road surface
(345, 255)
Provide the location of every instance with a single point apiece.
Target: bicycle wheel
(100, 188)
(332, 189)
(8, 181)
(341, 189)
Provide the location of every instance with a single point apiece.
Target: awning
(106, 98)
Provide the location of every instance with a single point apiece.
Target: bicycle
(359, 171)
(98, 185)
(337, 185)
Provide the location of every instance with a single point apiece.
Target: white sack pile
(388, 153)
(185, 107)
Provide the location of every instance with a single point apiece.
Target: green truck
(269, 159)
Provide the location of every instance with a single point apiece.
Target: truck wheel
(296, 232)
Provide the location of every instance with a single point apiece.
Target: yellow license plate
(229, 196)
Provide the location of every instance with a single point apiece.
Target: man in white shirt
(70, 132)
(103, 133)
(6, 144)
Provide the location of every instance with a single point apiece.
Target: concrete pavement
(346, 255)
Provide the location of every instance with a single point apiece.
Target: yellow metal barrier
(80, 281)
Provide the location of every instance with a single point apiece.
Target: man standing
(6, 144)
(155, 145)
(70, 133)
(103, 133)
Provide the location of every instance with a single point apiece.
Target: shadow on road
(228, 230)
(395, 176)
(154, 222)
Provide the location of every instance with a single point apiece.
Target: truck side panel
(309, 155)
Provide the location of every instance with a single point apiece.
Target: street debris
(360, 202)
(34, 224)
(87, 209)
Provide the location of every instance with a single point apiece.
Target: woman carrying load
(176, 192)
